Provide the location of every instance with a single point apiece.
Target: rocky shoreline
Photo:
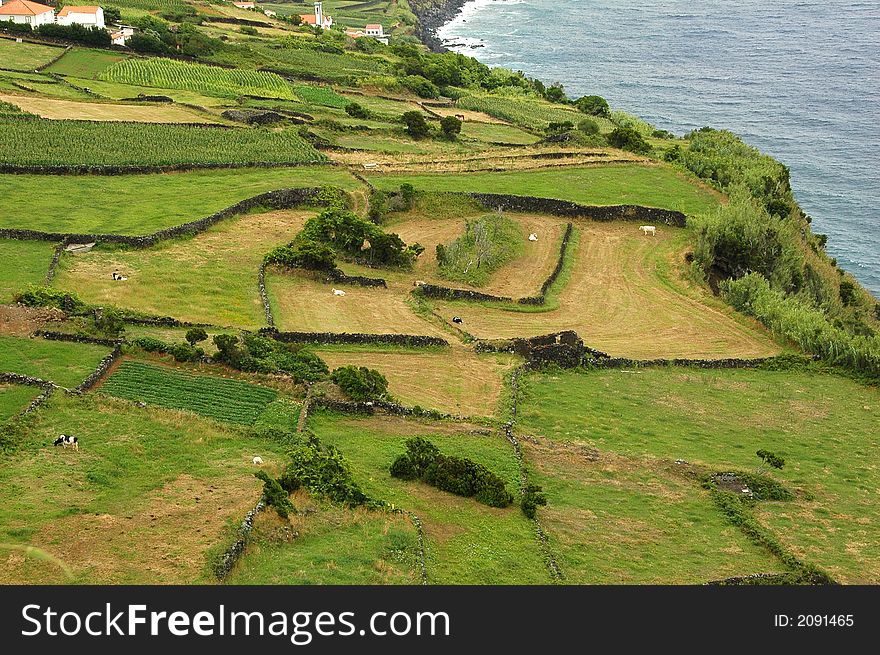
(432, 15)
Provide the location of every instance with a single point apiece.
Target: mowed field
(147, 498)
(452, 380)
(64, 363)
(823, 425)
(26, 56)
(22, 263)
(100, 111)
(211, 278)
(625, 295)
(14, 398)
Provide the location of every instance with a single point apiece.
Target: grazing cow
(419, 283)
(460, 117)
(648, 229)
(116, 276)
(457, 319)
(533, 237)
(338, 292)
(67, 440)
(258, 461)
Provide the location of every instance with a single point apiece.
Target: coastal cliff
(432, 15)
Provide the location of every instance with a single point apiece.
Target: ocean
(799, 80)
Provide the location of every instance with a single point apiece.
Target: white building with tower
(318, 18)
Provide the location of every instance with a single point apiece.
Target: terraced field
(61, 362)
(98, 111)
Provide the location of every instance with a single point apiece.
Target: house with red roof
(24, 11)
(318, 18)
(87, 16)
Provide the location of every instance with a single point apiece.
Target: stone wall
(408, 340)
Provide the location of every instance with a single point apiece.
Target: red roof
(78, 10)
(374, 26)
(23, 8)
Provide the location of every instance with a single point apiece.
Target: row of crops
(320, 95)
(531, 114)
(218, 398)
(39, 142)
(210, 80)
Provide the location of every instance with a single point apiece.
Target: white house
(24, 11)
(244, 4)
(374, 31)
(270, 13)
(318, 18)
(87, 16)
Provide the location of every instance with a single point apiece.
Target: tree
(588, 126)
(360, 383)
(407, 195)
(627, 138)
(450, 126)
(416, 125)
(770, 459)
(196, 334)
(112, 15)
(556, 93)
(593, 106)
(560, 128)
(355, 110)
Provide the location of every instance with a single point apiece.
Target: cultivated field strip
(219, 398)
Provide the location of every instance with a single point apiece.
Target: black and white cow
(457, 319)
(67, 440)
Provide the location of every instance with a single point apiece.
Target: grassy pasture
(147, 497)
(26, 56)
(99, 111)
(140, 204)
(454, 381)
(466, 542)
(211, 278)
(60, 362)
(14, 398)
(332, 546)
(823, 425)
(626, 295)
(117, 91)
(85, 62)
(214, 397)
(525, 112)
(22, 263)
(486, 245)
(496, 133)
(652, 186)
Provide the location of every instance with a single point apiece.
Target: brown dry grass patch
(102, 111)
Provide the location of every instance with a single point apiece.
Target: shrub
(355, 110)
(593, 106)
(184, 352)
(422, 87)
(416, 125)
(533, 497)
(49, 297)
(109, 321)
(151, 345)
(195, 335)
(275, 495)
(408, 196)
(75, 32)
(323, 471)
(360, 383)
(450, 126)
(487, 244)
(628, 138)
(770, 458)
(588, 126)
(304, 253)
(258, 354)
(560, 127)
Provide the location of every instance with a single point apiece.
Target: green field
(140, 204)
(529, 113)
(61, 362)
(145, 500)
(71, 142)
(14, 398)
(211, 80)
(218, 398)
(823, 425)
(22, 263)
(320, 95)
(85, 63)
(26, 56)
(652, 186)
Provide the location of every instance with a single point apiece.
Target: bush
(49, 297)
(355, 110)
(628, 138)
(533, 497)
(588, 126)
(323, 471)
(593, 106)
(195, 335)
(422, 87)
(109, 321)
(151, 345)
(304, 253)
(94, 37)
(450, 126)
(456, 475)
(258, 354)
(559, 127)
(146, 43)
(408, 196)
(275, 495)
(416, 125)
(184, 352)
(360, 383)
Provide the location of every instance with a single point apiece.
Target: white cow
(258, 461)
(533, 237)
(419, 283)
(648, 229)
(338, 292)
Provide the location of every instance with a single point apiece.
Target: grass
(653, 186)
(22, 263)
(47, 143)
(626, 294)
(14, 398)
(822, 424)
(529, 113)
(331, 546)
(117, 91)
(61, 362)
(26, 56)
(211, 278)
(218, 398)
(496, 133)
(486, 245)
(466, 542)
(145, 499)
(57, 109)
(140, 204)
(85, 63)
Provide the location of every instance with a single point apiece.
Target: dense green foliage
(416, 125)
(257, 354)
(361, 383)
(627, 138)
(274, 495)
(36, 296)
(593, 105)
(533, 496)
(486, 245)
(219, 398)
(323, 471)
(457, 475)
(96, 37)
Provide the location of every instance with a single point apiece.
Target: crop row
(319, 95)
(533, 114)
(41, 142)
(219, 398)
(211, 80)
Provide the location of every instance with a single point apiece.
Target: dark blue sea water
(798, 79)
